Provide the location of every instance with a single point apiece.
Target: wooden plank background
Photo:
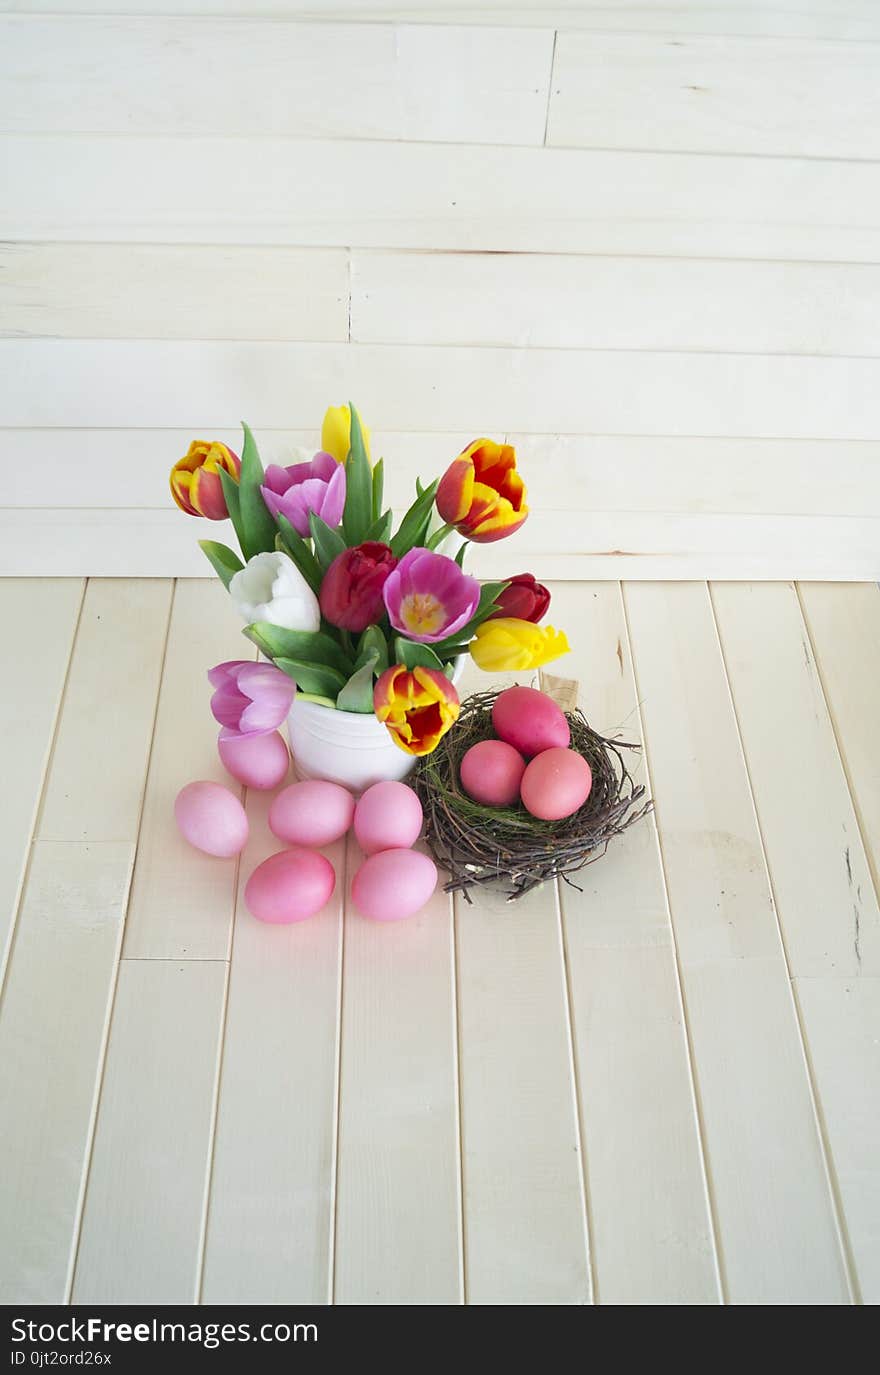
(643, 241)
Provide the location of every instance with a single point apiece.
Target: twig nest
(506, 847)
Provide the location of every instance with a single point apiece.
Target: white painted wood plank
(101, 75)
(595, 472)
(821, 881)
(786, 97)
(525, 1229)
(578, 544)
(853, 19)
(844, 626)
(649, 1215)
(476, 389)
(777, 1228)
(564, 301)
(142, 1222)
(398, 1204)
(270, 1220)
(162, 291)
(182, 902)
(52, 1031)
(95, 785)
(843, 1015)
(282, 191)
(39, 620)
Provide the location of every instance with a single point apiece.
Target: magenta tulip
(428, 598)
(317, 486)
(250, 698)
(351, 593)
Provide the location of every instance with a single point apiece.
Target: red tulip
(523, 598)
(351, 593)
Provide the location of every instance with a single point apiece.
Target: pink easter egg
(387, 817)
(393, 884)
(491, 772)
(290, 886)
(555, 784)
(211, 818)
(530, 721)
(258, 761)
(313, 812)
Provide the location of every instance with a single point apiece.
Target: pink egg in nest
(258, 761)
(314, 812)
(290, 886)
(394, 884)
(491, 772)
(530, 721)
(211, 818)
(555, 784)
(387, 817)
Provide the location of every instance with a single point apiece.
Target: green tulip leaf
(381, 529)
(317, 679)
(312, 646)
(357, 695)
(358, 513)
(414, 655)
(378, 488)
(225, 563)
(328, 543)
(414, 526)
(373, 645)
(257, 522)
(289, 542)
(231, 496)
(459, 558)
(487, 604)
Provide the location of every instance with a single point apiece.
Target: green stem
(439, 536)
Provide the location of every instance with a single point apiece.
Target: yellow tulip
(507, 645)
(336, 433)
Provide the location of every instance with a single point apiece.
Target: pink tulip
(428, 598)
(317, 486)
(250, 698)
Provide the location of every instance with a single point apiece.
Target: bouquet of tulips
(352, 613)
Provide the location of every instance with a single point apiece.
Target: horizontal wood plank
(563, 301)
(282, 191)
(576, 544)
(786, 97)
(101, 383)
(164, 291)
(142, 1222)
(851, 19)
(97, 74)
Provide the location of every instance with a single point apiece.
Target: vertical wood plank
(142, 1223)
(52, 1033)
(650, 1219)
(398, 1209)
(270, 1217)
(62, 968)
(182, 902)
(39, 619)
(525, 1228)
(776, 1224)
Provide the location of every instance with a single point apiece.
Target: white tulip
(271, 588)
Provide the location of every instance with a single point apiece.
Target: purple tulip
(428, 598)
(317, 486)
(250, 698)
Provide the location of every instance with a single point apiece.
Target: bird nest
(506, 847)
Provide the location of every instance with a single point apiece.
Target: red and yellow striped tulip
(418, 707)
(195, 479)
(508, 645)
(482, 494)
